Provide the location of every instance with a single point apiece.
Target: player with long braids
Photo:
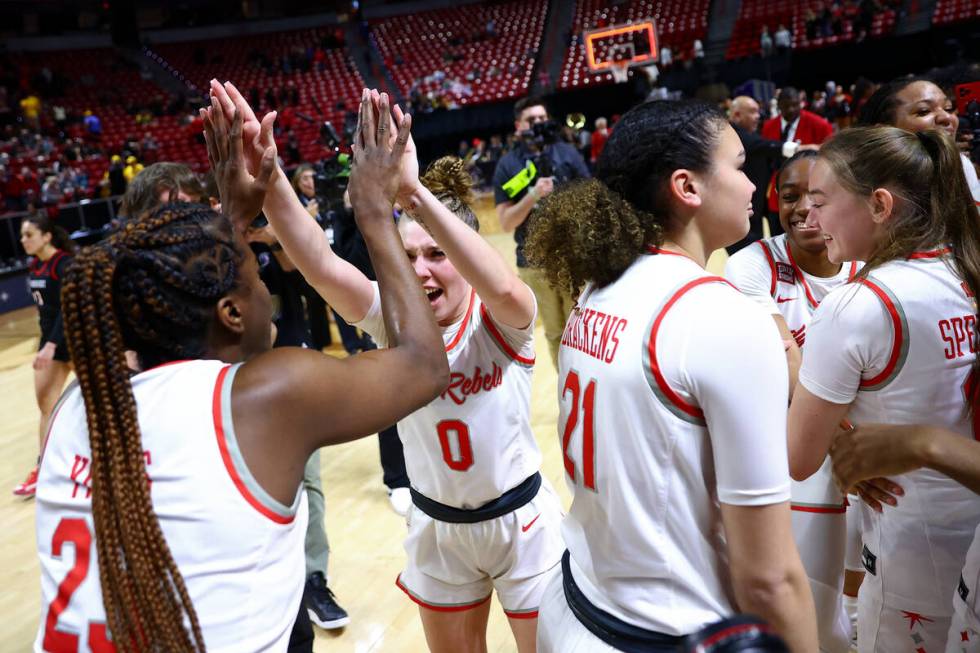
(170, 515)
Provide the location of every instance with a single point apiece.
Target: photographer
(304, 183)
(531, 171)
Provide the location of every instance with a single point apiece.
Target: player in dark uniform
(50, 249)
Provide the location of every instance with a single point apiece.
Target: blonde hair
(448, 180)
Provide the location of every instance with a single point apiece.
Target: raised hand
(242, 191)
(257, 135)
(378, 158)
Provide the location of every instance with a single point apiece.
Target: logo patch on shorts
(869, 560)
(963, 589)
(785, 274)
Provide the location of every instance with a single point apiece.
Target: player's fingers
(235, 137)
(384, 119)
(368, 129)
(266, 167)
(220, 130)
(238, 99)
(404, 134)
(226, 103)
(266, 136)
(209, 139)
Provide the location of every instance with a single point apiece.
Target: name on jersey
(38, 283)
(461, 386)
(594, 333)
(957, 332)
(81, 475)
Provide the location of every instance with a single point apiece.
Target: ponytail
(59, 237)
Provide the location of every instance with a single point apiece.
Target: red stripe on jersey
(53, 264)
(653, 249)
(837, 510)
(899, 336)
(799, 275)
(933, 253)
(675, 398)
(440, 608)
(466, 322)
(772, 266)
(492, 328)
(854, 269)
(219, 431)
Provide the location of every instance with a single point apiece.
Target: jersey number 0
(454, 438)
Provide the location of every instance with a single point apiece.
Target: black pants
(301, 639)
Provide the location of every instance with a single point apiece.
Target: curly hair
(151, 287)
(592, 230)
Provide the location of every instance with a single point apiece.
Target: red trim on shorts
(466, 322)
(492, 328)
(440, 608)
(668, 392)
(728, 632)
(840, 510)
(219, 431)
(522, 615)
(934, 253)
(899, 337)
(772, 265)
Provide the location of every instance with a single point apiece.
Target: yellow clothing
(132, 170)
(31, 106)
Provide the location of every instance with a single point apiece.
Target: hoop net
(620, 71)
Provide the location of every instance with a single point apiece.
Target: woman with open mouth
(789, 275)
(483, 518)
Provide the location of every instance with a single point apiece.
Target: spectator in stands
(793, 124)
(30, 108)
(666, 56)
(697, 50)
(783, 39)
(765, 42)
(133, 168)
(518, 185)
(599, 137)
(763, 156)
(93, 126)
(811, 24)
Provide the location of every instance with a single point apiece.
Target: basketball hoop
(620, 71)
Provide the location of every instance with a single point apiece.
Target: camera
(541, 134)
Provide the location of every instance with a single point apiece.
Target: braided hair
(592, 230)
(151, 288)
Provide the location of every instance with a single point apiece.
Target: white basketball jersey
(239, 550)
(644, 530)
(900, 345)
(768, 273)
(473, 442)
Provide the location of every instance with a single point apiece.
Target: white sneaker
(401, 500)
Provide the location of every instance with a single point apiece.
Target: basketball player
(213, 557)
(788, 275)
(483, 519)
(51, 249)
(680, 514)
(884, 349)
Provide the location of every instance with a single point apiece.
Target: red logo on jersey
(462, 386)
(785, 273)
(524, 529)
(783, 300)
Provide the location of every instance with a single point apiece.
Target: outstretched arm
(507, 298)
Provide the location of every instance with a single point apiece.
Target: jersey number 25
(587, 407)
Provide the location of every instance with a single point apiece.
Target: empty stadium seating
(955, 11)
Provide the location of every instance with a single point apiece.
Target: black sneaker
(321, 604)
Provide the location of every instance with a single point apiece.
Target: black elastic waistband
(507, 502)
(612, 630)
